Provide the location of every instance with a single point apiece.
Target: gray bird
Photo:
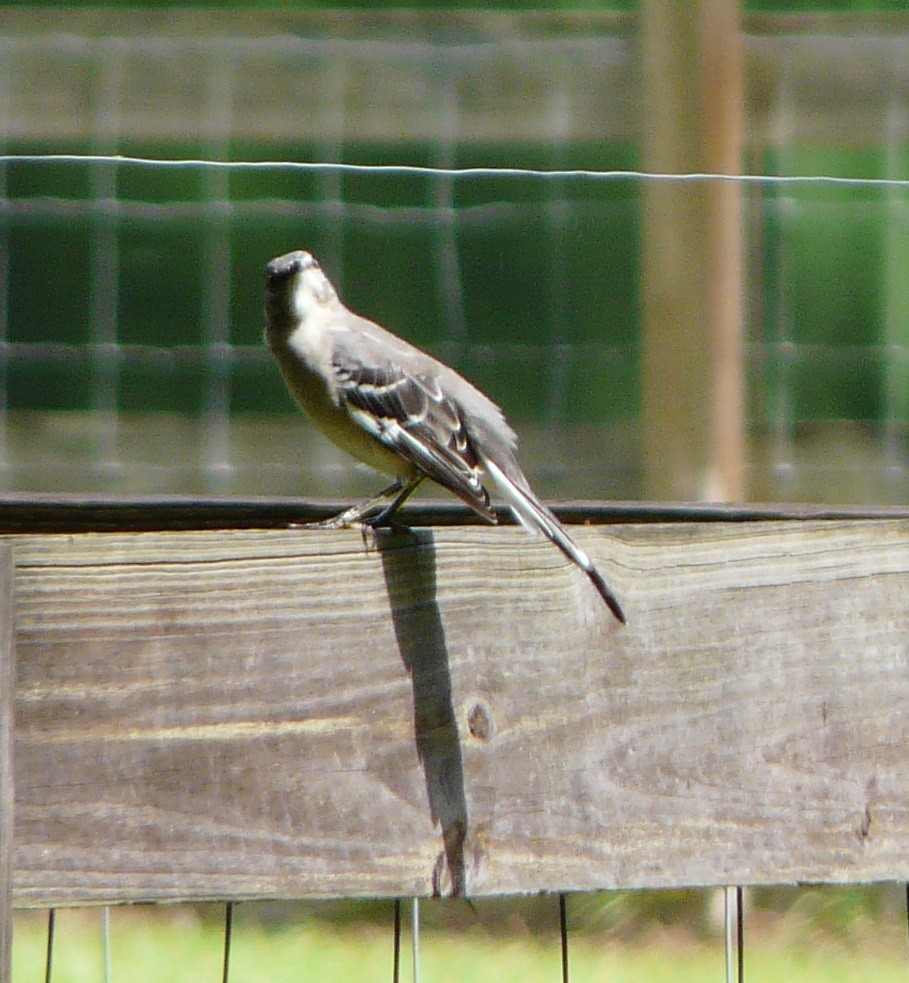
(398, 409)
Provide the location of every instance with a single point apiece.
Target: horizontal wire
(252, 353)
(454, 172)
(249, 354)
(43, 209)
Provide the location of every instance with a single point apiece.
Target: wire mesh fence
(499, 939)
(131, 292)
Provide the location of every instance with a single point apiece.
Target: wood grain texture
(7, 687)
(302, 714)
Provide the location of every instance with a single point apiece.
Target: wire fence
(476, 190)
(398, 941)
(154, 312)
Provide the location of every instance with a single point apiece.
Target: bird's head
(295, 286)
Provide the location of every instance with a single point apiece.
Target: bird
(398, 409)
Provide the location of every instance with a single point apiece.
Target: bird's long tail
(535, 517)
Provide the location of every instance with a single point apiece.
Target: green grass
(184, 943)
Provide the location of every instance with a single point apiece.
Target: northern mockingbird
(397, 409)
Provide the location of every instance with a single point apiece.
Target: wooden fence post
(691, 293)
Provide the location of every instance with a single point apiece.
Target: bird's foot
(351, 518)
(336, 522)
(373, 514)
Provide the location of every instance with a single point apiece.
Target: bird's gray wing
(408, 411)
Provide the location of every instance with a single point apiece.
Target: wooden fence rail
(7, 692)
(263, 713)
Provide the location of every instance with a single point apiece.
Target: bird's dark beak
(281, 269)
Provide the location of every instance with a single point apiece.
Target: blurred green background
(132, 317)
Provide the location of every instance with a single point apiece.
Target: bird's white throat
(311, 292)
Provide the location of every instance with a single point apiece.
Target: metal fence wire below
(733, 935)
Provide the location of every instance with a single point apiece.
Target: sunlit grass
(183, 944)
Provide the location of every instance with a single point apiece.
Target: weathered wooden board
(7, 687)
(299, 713)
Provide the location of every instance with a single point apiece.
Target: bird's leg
(405, 490)
(355, 515)
(358, 515)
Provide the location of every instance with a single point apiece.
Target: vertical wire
(907, 911)
(558, 213)
(735, 934)
(215, 442)
(228, 937)
(780, 389)
(563, 932)
(6, 71)
(51, 925)
(895, 295)
(104, 284)
(329, 183)
(415, 929)
(328, 190)
(396, 963)
(445, 236)
(730, 933)
(105, 941)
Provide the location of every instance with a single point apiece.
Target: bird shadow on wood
(409, 567)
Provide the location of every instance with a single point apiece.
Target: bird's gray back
(364, 342)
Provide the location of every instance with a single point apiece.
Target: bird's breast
(307, 370)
